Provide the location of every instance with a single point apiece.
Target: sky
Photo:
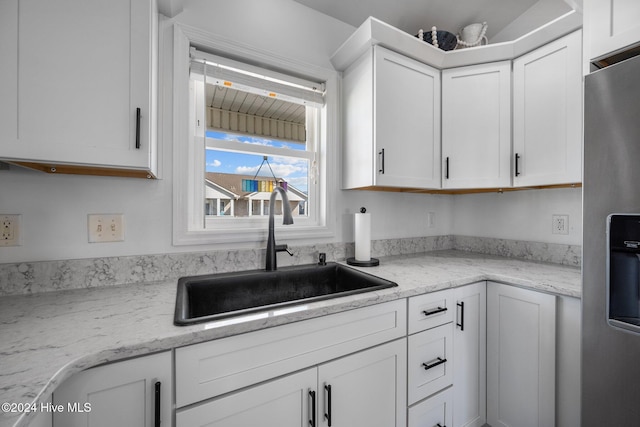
(292, 170)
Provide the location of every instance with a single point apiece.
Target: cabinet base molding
(85, 170)
(465, 190)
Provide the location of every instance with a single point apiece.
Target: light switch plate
(106, 228)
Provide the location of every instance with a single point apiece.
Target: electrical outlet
(560, 224)
(9, 230)
(106, 228)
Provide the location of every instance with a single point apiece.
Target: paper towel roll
(363, 236)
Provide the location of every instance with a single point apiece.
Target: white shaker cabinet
(391, 122)
(470, 363)
(135, 392)
(476, 126)
(366, 389)
(547, 114)
(78, 93)
(285, 402)
(521, 355)
(613, 25)
(363, 389)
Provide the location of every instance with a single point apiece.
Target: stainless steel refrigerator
(611, 185)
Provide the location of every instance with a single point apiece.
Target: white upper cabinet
(613, 25)
(80, 85)
(392, 122)
(547, 114)
(476, 126)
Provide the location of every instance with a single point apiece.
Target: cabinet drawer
(430, 362)
(430, 310)
(212, 368)
(435, 411)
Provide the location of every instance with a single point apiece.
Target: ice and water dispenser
(623, 271)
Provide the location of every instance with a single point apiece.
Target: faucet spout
(271, 264)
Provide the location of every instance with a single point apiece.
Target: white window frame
(188, 166)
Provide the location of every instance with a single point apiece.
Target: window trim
(185, 231)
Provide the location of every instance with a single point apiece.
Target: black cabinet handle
(461, 324)
(138, 128)
(157, 405)
(434, 311)
(381, 153)
(517, 159)
(327, 415)
(446, 165)
(312, 421)
(440, 425)
(438, 361)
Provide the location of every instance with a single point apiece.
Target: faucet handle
(322, 258)
(283, 248)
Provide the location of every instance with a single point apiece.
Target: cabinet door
(9, 72)
(469, 365)
(434, 411)
(406, 121)
(365, 389)
(83, 69)
(547, 120)
(520, 357)
(430, 362)
(476, 126)
(120, 394)
(285, 402)
(613, 25)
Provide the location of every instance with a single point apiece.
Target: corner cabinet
(614, 25)
(391, 122)
(547, 114)
(79, 93)
(135, 392)
(521, 353)
(476, 126)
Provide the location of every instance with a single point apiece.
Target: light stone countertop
(45, 338)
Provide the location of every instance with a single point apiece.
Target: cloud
(215, 163)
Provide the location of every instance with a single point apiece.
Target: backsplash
(43, 276)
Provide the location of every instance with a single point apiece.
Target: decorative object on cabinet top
(439, 38)
(472, 35)
(375, 32)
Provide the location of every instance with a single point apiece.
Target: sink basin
(217, 296)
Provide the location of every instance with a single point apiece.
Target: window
(246, 130)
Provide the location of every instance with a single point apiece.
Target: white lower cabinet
(135, 392)
(470, 362)
(430, 362)
(363, 389)
(285, 402)
(433, 412)
(520, 357)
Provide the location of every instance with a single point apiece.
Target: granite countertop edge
(49, 337)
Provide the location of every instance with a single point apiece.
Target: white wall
(540, 13)
(519, 215)
(54, 208)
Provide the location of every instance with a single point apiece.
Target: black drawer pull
(461, 324)
(157, 404)
(312, 421)
(327, 414)
(138, 116)
(439, 361)
(434, 311)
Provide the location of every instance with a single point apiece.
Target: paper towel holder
(371, 262)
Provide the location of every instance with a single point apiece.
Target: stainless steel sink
(217, 296)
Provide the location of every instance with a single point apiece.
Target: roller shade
(228, 73)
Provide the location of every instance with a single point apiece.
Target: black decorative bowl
(446, 40)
